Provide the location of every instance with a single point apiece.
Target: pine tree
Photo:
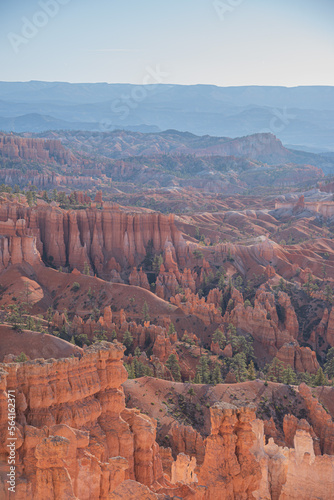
(329, 294)
(113, 335)
(45, 196)
(157, 262)
(251, 371)
(54, 195)
(174, 367)
(239, 282)
(49, 317)
(203, 371)
(80, 340)
(281, 284)
(289, 376)
(86, 269)
(307, 378)
(29, 197)
(21, 358)
(30, 323)
(145, 312)
(127, 339)
(137, 368)
(171, 329)
(130, 369)
(309, 285)
(275, 371)
(219, 338)
(221, 282)
(15, 317)
(198, 254)
(137, 352)
(238, 365)
(329, 365)
(320, 378)
(216, 376)
(100, 335)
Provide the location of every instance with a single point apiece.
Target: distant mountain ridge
(35, 122)
(298, 115)
(124, 160)
(119, 161)
(266, 148)
(305, 97)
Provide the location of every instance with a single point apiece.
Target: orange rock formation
(76, 440)
(107, 239)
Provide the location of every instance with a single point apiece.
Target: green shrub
(22, 358)
(75, 286)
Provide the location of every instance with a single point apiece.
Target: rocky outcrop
(50, 180)
(41, 150)
(168, 282)
(229, 469)
(321, 420)
(238, 463)
(323, 208)
(106, 239)
(185, 439)
(139, 278)
(301, 359)
(18, 249)
(291, 473)
(131, 490)
(74, 437)
(190, 303)
(76, 440)
(162, 347)
(183, 469)
(291, 425)
(272, 324)
(323, 335)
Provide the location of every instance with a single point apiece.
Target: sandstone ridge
(76, 439)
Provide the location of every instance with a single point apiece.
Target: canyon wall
(324, 208)
(41, 150)
(17, 250)
(239, 464)
(107, 239)
(13, 176)
(76, 440)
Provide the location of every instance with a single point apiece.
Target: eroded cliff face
(239, 464)
(228, 460)
(107, 239)
(48, 180)
(292, 473)
(17, 250)
(76, 440)
(324, 208)
(40, 150)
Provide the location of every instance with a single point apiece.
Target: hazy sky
(221, 42)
